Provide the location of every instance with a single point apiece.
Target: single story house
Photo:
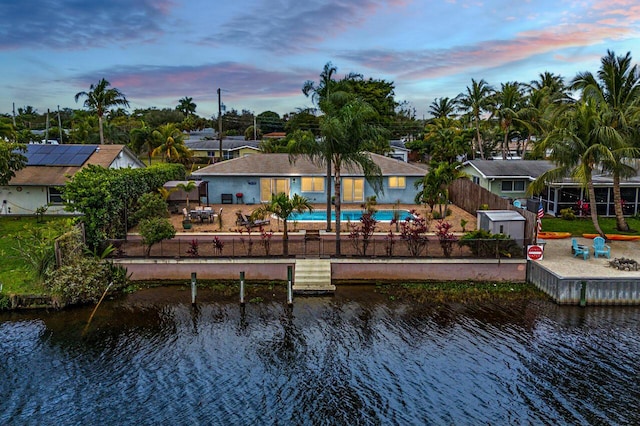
(49, 167)
(231, 148)
(252, 179)
(511, 179)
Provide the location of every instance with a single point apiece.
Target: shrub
(568, 214)
(446, 237)
(218, 245)
(364, 230)
(485, 244)
(155, 230)
(414, 233)
(193, 248)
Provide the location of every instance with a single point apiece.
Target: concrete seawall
(343, 269)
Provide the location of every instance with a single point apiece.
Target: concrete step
(313, 276)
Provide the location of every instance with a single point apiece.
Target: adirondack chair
(579, 249)
(599, 247)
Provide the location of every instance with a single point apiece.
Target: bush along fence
(445, 245)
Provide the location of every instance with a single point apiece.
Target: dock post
(290, 285)
(583, 294)
(242, 288)
(194, 290)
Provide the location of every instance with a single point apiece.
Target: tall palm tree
(100, 98)
(507, 103)
(347, 131)
(186, 106)
(170, 142)
(282, 206)
(476, 100)
(576, 147)
(617, 86)
(319, 92)
(443, 107)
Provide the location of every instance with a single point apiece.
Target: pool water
(347, 215)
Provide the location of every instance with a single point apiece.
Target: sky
(260, 53)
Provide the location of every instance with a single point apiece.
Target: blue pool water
(346, 215)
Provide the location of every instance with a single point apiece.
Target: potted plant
(186, 223)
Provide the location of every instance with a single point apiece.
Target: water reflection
(358, 357)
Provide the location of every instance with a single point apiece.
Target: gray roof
(502, 215)
(279, 165)
(228, 144)
(526, 169)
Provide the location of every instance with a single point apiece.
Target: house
(508, 179)
(231, 148)
(255, 177)
(399, 150)
(511, 179)
(49, 167)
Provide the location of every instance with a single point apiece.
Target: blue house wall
(250, 189)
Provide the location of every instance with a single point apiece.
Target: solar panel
(58, 155)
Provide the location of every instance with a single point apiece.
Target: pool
(346, 215)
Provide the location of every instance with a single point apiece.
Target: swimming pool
(346, 215)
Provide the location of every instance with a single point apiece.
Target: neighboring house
(398, 150)
(511, 179)
(49, 167)
(258, 176)
(231, 148)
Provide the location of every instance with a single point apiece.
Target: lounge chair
(599, 247)
(248, 223)
(579, 249)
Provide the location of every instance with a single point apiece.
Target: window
(397, 182)
(476, 180)
(312, 184)
(269, 187)
(512, 185)
(352, 190)
(55, 196)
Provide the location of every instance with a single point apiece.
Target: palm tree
(99, 99)
(186, 106)
(507, 103)
(187, 188)
(347, 131)
(319, 92)
(282, 206)
(576, 147)
(443, 107)
(142, 140)
(617, 87)
(170, 143)
(433, 187)
(476, 100)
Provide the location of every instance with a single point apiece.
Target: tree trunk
(338, 189)
(328, 195)
(505, 143)
(593, 209)
(101, 130)
(478, 139)
(285, 238)
(621, 223)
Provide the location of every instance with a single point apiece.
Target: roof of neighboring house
(102, 155)
(398, 144)
(524, 169)
(279, 165)
(227, 144)
(275, 135)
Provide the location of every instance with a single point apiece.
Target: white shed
(508, 222)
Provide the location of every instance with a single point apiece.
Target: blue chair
(599, 247)
(579, 249)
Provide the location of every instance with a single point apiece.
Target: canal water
(360, 357)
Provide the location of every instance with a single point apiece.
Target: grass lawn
(15, 274)
(581, 226)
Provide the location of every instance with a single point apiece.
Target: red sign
(534, 252)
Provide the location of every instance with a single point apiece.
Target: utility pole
(220, 123)
(46, 132)
(60, 125)
(14, 115)
(255, 130)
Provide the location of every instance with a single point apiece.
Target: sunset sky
(261, 52)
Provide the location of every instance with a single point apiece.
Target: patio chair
(599, 247)
(579, 249)
(246, 221)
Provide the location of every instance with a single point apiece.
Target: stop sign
(534, 252)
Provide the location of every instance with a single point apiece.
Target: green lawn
(581, 226)
(15, 274)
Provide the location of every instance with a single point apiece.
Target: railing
(378, 246)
